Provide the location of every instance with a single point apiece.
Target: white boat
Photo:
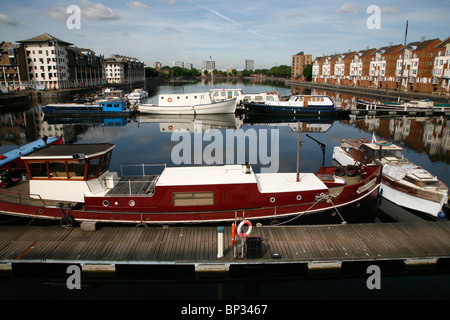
(189, 103)
(403, 182)
(137, 95)
(241, 97)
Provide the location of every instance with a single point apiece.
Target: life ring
(249, 224)
(350, 171)
(170, 128)
(169, 99)
(233, 233)
(339, 171)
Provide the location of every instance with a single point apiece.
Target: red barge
(73, 183)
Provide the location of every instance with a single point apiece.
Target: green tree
(307, 72)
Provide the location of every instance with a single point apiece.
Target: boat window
(93, 167)
(38, 169)
(269, 98)
(193, 198)
(105, 162)
(57, 169)
(258, 98)
(75, 169)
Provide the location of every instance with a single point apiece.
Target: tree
(307, 72)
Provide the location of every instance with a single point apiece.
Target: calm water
(150, 139)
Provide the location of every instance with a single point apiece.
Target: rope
(318, 199)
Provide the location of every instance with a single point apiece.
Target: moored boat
(403, 182)
(137, 95)
(12, 166)
(73, 182)
(241, 97)
(103, 107)
(189, 103)
(297, 104)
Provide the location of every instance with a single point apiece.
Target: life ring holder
(239, 229)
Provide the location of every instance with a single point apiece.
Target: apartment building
(441, 67)
(86, 68)
(299, 62)
(249, 65)
(421, 66)
(47, 61)
(121, 69)
(382, 67)
(415, 64)
(360, 67)
(12, 76)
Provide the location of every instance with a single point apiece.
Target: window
(193, 198)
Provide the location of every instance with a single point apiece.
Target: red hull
(230, 201)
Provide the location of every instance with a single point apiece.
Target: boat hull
(263, 206)
(399, 193)
(221, 107)
(312, 110)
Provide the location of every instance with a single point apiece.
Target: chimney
(422, 39)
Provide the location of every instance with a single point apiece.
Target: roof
(45, 37)
(70, 151)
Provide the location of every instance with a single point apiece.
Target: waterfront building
(157, 65)
(299, 62)
(249, 65)
(414, 65)
(12, 75)
(441, 67)
(382, 67)
(47, 61)
(86, 68)
(121, 69)
(209, 66)
(359, 67)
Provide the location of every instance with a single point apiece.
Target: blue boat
(297, 105)
(11, 165)
(104, 107)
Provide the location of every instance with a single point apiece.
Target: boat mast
(298, 152)
(403, 59)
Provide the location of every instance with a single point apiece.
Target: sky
(268, 32)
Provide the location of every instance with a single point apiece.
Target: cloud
(97, 11)
(346, 8)
(296, 15)
(227, 18)
(89, 10)
(389, 10)
(136, 5)
(57, 13)
(170, 29)
(168, 1)
(4, 19)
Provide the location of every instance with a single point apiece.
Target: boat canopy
(71, 162)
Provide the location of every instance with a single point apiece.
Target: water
(149, 139)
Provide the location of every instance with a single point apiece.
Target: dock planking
(198, 245)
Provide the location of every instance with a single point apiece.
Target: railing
(22, 195)
(139, 165)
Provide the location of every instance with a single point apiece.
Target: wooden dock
(323, 246)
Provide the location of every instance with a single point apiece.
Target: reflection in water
(147, 138)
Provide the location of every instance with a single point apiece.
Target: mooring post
(219, 242)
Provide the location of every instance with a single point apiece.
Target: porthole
(131, 203)
(272, 199)
(105, 203)
(299, 197)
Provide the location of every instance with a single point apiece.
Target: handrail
(143, 165)
(20, 194)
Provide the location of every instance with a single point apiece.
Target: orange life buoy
(169, 100)
(170, 128)
(233, 233)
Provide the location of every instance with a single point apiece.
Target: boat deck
(134, 185)
(315, 245)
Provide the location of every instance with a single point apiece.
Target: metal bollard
(219, 242)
